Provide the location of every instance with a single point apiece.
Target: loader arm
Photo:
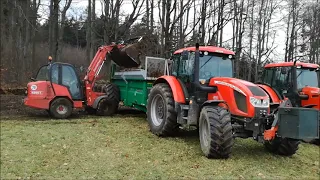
(97, 63)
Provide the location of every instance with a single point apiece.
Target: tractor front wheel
(215, 132)
(282, 146)
(161, 115)
(60, 108)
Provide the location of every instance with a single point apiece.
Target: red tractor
(58, 89)
(297, 81)
(201, 92)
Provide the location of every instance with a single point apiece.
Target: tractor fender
(176, 88)
(215, 103)
(274, 95)
(97, 100)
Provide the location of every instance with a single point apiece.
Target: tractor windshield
(307, 77)
(43, 74)
(214, 66)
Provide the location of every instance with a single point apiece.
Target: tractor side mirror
(185, 55)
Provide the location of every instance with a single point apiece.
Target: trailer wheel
(109, 105)
(282, 146)
(215, 132)
(60, 108)
(161, 115)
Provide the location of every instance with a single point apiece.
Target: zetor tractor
(202, 92)
(297, 81)
(58, 89)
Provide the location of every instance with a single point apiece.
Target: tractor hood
(312, 97)
(244, 87)
(244, 98)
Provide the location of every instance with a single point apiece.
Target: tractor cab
(213, 62)
(63, 75)
(296, 80)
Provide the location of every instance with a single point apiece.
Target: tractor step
(188, 114)
(183, 114)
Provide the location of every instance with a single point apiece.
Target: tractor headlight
(259, 102)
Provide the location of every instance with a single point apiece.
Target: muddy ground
(12, 105)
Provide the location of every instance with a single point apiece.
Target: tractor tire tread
(170, 123)
(112, 100)
(221, 132)
(56, 102)
(283, 146)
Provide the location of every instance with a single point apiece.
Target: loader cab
(211, 64)
(64, 75)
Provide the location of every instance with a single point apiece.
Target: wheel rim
(61, 109)
(205, 132)
(157, 110)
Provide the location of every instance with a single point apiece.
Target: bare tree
(62, 26)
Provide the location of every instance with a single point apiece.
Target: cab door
(70, 79)
(65, 75)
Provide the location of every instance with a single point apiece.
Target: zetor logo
(33, 87)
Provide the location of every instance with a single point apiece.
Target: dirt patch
(12, 105)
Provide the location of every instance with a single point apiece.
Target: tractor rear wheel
(161, 114)
(215, 132)
(282, 146)
(109, 105)
(60, 108)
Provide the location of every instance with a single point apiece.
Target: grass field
(123, 148)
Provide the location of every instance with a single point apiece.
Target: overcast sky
(78, 6)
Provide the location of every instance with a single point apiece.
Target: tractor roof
(286, 64)
(212, 49)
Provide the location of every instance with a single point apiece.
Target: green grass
(123, 148)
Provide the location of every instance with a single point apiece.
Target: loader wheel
(161, 115)
(282, 146)
(60, 108)
(215, 132)
(109, 105)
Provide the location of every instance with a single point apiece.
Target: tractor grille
(256, 91)
(240, 101)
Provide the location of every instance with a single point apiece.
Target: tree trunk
(62, 26)
(88, 33)
(151, 18)
(250, 42)
(93, 37)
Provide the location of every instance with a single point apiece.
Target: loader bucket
(127, 57)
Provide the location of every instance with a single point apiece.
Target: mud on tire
(282, 146)
(161, 115)
(60, 108)
(215, 132)
(109, 105)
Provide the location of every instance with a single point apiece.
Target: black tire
(161, 114)
(109, 105)
(215, 132)
(90, 110)
(61, 108)
(282, 146)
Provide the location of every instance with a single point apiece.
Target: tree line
(248, 27)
